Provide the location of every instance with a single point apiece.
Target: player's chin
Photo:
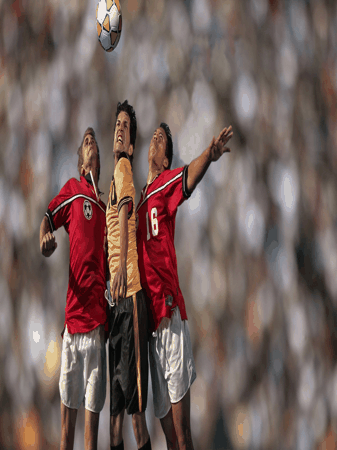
(118, 148)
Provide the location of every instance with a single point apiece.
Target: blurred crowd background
(256, 244)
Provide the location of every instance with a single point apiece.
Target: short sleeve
(125, 189)
(58, 211)
(175, 191)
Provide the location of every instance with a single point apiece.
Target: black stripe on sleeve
(122, 202)
(50, 219)
(186, 192)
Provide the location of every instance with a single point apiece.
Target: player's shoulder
(170, 174)
(71, 186)
(123, 164)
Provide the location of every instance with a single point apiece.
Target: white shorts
(83, 370)
(171, 363)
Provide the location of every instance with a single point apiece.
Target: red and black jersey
(157, 259)
(83, 217)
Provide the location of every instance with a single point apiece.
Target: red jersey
(157, 259)
(83, 217)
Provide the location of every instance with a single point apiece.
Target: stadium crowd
(256, 243)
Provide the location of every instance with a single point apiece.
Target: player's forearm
(197, 169)
(44, 229)
(124, 235)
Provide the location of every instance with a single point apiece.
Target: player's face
(89, 150)
(122, 133)
(157, 150)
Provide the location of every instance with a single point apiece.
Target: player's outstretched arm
(47, 239)
(119, 285)
(199, 166)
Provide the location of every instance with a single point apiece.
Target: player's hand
(218, 146)
(119, 285)
(48, 244)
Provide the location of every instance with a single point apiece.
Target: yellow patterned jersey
(122, 191)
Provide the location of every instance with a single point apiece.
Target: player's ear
(130, 151)
(165, 162)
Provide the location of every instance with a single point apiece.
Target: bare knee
(140, 428)
(116, 429)
(68, 422)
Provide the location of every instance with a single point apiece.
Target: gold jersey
(122, 191)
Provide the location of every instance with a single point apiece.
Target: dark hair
(169, 146)
(133, 122)
(90, 131)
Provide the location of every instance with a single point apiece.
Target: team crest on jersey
(87, 209)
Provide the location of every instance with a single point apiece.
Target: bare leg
(91, 430)
(169, 431)
(182, 424)
(68, 422)
(140, 429)
(116, 429)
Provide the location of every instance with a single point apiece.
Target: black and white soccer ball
(109, 23)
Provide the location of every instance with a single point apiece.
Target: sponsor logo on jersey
(87, 209)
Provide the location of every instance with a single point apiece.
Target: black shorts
(128, 355)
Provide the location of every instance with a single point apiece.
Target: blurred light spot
(201, 281)
(288, 192)
(304, 435)
(241, 430)
(307, 386)
(194, 204)
(287, 65)
(259, 10)
(320, 418)
(87, 41)
(220, 67)
(177, 109)
(17, 218)
(180, 26)
(57, 110)
(299, 21)
(191, 141)
(201, 15)
(252, 226)
(4, 197)
(265, 303)
(253, 322)
(36, 337)
(297, 328)
(283, 182)
(160, 70)
(15, 108)
(64, 167)
(6, 317)
(53, 358)
(245, 99)
(329, 441)
(321, 20)
(10, 31)
(29, 430)
(87, 116)
(143, 58)
(35, 333)
(146, 113)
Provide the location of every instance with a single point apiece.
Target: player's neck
(94, 175)
(154, 171)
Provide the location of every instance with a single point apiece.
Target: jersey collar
(87, 178)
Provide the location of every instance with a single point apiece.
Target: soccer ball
(109, 23)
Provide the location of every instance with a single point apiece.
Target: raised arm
(47, 239)
(119, 285)
(199, 166)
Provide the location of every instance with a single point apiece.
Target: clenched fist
(48, 244)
